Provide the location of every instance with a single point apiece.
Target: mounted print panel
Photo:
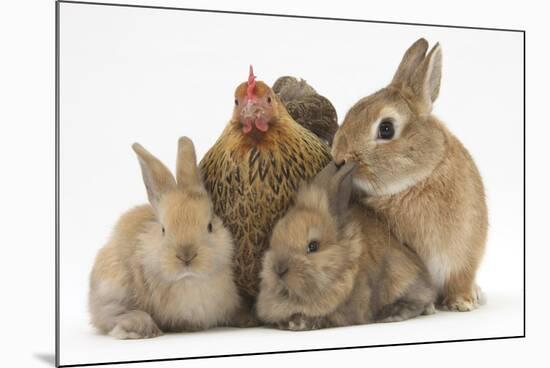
(226, 256)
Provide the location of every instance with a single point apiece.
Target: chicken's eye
(269, 100)
(163, 231)
(236, 102)
(209, 227)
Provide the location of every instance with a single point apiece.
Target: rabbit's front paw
(429, 310)
(135, 325)
(460, 303)
(300, 322)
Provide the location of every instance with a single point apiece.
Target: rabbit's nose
(186, 255)
(339, 159)
(340, 149)
(281, 268)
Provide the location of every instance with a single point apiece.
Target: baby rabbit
(418, 177)
(167, 266)
(331, 265)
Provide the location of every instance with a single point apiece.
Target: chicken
(308, 108)
(253, 170)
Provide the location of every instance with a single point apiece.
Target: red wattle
(262, 125)
(247, 126)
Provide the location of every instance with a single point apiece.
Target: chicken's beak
(253, 116)
(250, 110)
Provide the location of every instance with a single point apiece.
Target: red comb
(251, 84)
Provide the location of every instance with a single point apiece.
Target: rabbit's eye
(209, 227)
(313, 246)
(236, 102)
(386, 130)
(163, 231)
(269, 100)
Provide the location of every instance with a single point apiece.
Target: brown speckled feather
(311, 110)
(316, 114)
(289, 88)
(252, 186)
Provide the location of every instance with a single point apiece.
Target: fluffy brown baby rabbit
(167, 266)
(418, 177)
(331, 265)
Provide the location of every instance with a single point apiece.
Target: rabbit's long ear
(340, 187)
(324, 177)
(187, 172)
(330, 190)
(411, 60)
(426, 80)
(157, 178)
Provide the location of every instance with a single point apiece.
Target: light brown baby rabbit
(167, 266)
(331, 265)
(418, 177)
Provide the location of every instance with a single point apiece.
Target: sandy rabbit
(331, 264)
(167, 265)
(418, 177)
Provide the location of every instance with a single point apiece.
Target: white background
(153, 75)
(27, 113)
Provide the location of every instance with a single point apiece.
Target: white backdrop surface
(27, 156)
(153, 75)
